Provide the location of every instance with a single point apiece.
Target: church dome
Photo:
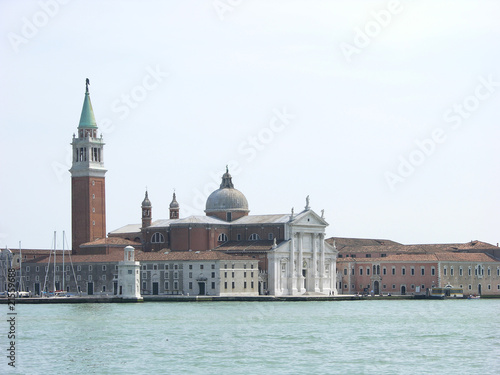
(226, 198)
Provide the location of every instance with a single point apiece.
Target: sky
(384, 113)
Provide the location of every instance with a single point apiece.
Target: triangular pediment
(309, 218)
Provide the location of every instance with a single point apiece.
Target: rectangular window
(445, 271)
(176, 266)
(232, 275)
(225, 284)
(225, 275)
(166, 266)
(104, 268)
(368, 255)
(232, 285)
(27, 278)
(244, 284)
(368, 270)
(78, 278)
(451, 271)
(57, 268)
(383, 255)
(251, 274)
(244, 274)
(167, 287)
(176, 275)
(144, 285)
(155, 267)
(90, 268)
(345, 271)
(232, 266)
(190, 266)
(190, 275)
(225, 266)
(412, 269)
(190, 285)
(460, 271)
(213, 266)
(176, 285)
(213, 275)
(116, 267)
(238, 237)
(251, 266)
(393, 271)
(384, 271)
(422, 271)
(37, 269)
(201, 266)
(393, 286)
(433, 271)
(403, 271)
(144, 275)
(489, 271)
(144, 267)
(360, 271)
(213, 285)
(470, 271)
(251, 285)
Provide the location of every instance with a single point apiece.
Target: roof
(354, 245)
(111, 241)
(263, 219)
(430, 257)
(129, 228)
(246, 246)
(187, 255)
(117, 255)
(341, 242)
(200, 220)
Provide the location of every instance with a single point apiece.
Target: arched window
(222, 237)
(254, 237)
(157, 238)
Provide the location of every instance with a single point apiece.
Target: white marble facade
(305, 263)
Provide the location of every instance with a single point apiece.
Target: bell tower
(147, 209)
(88, 206)
(174, 208)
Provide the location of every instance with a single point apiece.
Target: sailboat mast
(54, 262)
(20, 268)
(64, 270)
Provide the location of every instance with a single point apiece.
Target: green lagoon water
(353, 337)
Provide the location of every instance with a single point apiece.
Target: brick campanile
(88, 205)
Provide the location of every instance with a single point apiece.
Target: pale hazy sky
(385, 113)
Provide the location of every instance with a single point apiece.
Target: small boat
(473, 296)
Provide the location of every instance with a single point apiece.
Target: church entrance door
(201, 287)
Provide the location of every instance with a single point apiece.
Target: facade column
(315, 262)
(321, 261)
(291, 272)
(300, 260)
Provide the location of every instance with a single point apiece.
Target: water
(352, 337)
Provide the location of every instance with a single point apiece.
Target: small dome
(226, 198)
(174, 203)
(146, 202)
